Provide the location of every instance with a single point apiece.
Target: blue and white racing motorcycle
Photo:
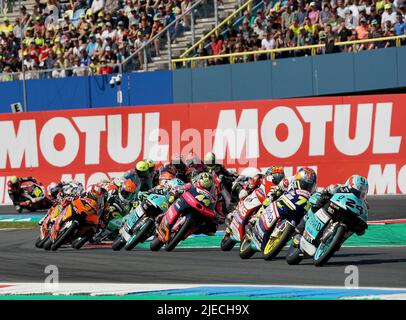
(328, 228)
(139, 224)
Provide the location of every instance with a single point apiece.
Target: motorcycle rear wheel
(66, 235)
(156, 244)
(227, 243)
(332, 247)
(275, 245)
(142, 234)
(187, 225)
(246, 250)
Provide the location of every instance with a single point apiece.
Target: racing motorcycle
(32, 192)
(274, 228)
(246, 207)
(75, 224)
(189, 214)
(328, 228)
(139, 225)
(46, 224)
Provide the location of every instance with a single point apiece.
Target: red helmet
(165, 177)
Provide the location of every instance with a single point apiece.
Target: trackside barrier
(338, 136)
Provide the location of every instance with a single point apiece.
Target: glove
(324, 197)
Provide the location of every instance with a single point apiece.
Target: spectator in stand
(92, 36)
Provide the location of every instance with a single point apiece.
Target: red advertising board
(338, 136)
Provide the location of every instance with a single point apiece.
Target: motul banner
(338, 136)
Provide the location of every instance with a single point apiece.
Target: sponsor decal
(337, 136)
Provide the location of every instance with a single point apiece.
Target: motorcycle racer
(355, 184)
(212, 166)
(272, 177)
(14, 189)
(176, 167)
(301, 186)
(140, 175)
(29, 196)
(194, 166)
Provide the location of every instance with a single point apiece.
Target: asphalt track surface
(20, 261)
(381, 207)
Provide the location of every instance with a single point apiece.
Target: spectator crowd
(292, 23)
(82, 37)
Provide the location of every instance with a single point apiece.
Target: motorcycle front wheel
(274, 245)
(39, 243)
(246, 250)
(227, 243)
(187, 225)
(330, 245)
(142, 234)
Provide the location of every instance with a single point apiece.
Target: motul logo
(337, 136)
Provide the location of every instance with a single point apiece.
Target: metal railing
(272, 52)
(246, 5)
(168, 32)
(56, 73)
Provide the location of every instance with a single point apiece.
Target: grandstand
(79, 37)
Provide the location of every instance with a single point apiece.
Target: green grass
(6, 225)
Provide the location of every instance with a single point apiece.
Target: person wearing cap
(350, 20)
(388, 15)
(155, 29)
(39, 27)
(313, 13)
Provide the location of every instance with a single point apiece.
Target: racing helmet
(127, 191)
(210, 160)
(94, 192)
(275, 174)
(358, 183)
(205, 180)
(142, 169)
(175, 183)
(165, 177)
(306, 179)
(53, 189)
(151, 164)
(15, 181)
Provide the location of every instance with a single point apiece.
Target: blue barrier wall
(282, 78)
